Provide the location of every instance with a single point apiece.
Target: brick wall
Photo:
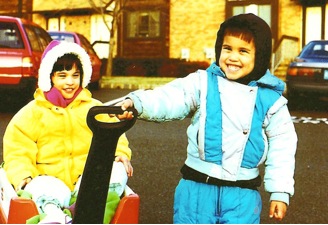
(12, 8)
(193, 25)
(80, 24)
(290, 20)
(57, 5)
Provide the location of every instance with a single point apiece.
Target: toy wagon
(16, 210)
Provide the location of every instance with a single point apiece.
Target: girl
(47, 142)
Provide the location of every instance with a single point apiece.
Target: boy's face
(237, 57)
(67, 81)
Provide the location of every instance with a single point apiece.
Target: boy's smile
(67, 81)
(237, 57)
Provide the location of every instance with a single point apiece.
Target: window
(33, 39)
(143, 24)
(43, 37)
(263, 11)
(313, 24)
(62, 37)
(37, 37)
(10, 36)
(266, 9)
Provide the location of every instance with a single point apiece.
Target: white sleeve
(282, 139)
(173, 101)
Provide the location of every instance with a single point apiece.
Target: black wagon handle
(91, 199)
(123, 125)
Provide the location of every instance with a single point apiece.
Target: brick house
(181, 29)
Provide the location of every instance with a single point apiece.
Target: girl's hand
(277, 210)
(127, 164)
(23, 183)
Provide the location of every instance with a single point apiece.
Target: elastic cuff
(282, 197)
(136, 102)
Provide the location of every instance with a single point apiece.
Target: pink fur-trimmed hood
(56, 49)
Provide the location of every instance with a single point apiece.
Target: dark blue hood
(262, 39)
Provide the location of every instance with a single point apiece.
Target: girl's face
(67, 81)
(237, 57)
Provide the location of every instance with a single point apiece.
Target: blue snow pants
(199, 203)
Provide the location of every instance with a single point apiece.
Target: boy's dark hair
(66, 62)
(248, 27)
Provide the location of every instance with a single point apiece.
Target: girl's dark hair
(66, 62)
(248, 27)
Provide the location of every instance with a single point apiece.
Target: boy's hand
(277, 210)
(125, 104)
(127, 164)
(127, 115)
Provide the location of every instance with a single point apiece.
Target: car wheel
(293, 99)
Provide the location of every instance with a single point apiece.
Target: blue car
(308, 73)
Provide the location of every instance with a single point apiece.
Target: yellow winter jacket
(46, 139)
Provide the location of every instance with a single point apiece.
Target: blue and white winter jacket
(234, 127)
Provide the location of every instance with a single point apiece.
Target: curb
(133, 82)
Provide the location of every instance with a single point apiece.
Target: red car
(82, 41)
(21, 46)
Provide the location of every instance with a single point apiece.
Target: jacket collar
(267, 80)
(216, 70)
(84, 96)
(270, 81)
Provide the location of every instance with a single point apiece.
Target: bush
(156, 67)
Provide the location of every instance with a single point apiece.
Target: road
(159, 151)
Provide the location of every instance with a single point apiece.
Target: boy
(240, 120)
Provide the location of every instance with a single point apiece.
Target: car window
(38, 38)
(319, 50)
(62, 37)
(10, 36)
(86, 45)
(33, 38)
(43, 37)
(317, 47)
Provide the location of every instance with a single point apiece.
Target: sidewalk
(133, 82)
